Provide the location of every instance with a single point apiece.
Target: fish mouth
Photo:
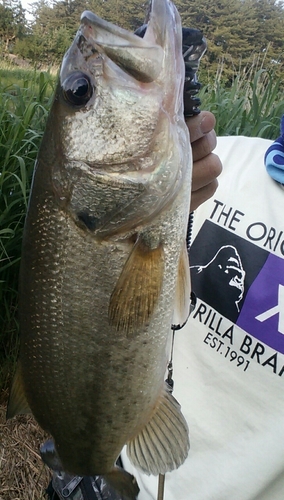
(125, 89)
(142, 58)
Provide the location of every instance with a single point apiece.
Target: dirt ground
(22, 473)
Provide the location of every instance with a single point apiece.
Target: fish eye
(77, 89)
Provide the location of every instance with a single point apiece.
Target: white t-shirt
(229, 359)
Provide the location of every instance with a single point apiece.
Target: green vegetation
(23, 111)
(251, 105)
(235, 29)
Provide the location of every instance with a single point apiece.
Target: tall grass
(251, 105)
(23, 110)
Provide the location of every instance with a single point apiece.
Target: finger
(203, 194)
(204, 146)
(205, 171)
(200, 124)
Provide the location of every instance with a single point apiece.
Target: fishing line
(193, 46)
(169, 379)
(170, 383)
(161, 487)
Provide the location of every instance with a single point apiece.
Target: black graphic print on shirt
(243, 282)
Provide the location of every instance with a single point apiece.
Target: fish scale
(104, 264)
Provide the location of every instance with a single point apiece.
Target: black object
(67, 487)
(193, 47)
(189, 231)
(51, 493)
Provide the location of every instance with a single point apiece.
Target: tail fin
(163, 444)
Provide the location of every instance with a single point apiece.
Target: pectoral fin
(163, 444)
(138, 288)
(17, 400)
(182, 295)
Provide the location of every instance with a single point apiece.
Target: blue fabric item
(274, 157)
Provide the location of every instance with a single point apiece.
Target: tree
(12, 22)
(236, 30)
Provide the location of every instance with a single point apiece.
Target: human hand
(206, 165)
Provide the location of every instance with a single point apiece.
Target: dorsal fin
(182, 295)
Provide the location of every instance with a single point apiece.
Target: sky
(26, 5)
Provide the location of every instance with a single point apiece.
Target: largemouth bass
(104, 266)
